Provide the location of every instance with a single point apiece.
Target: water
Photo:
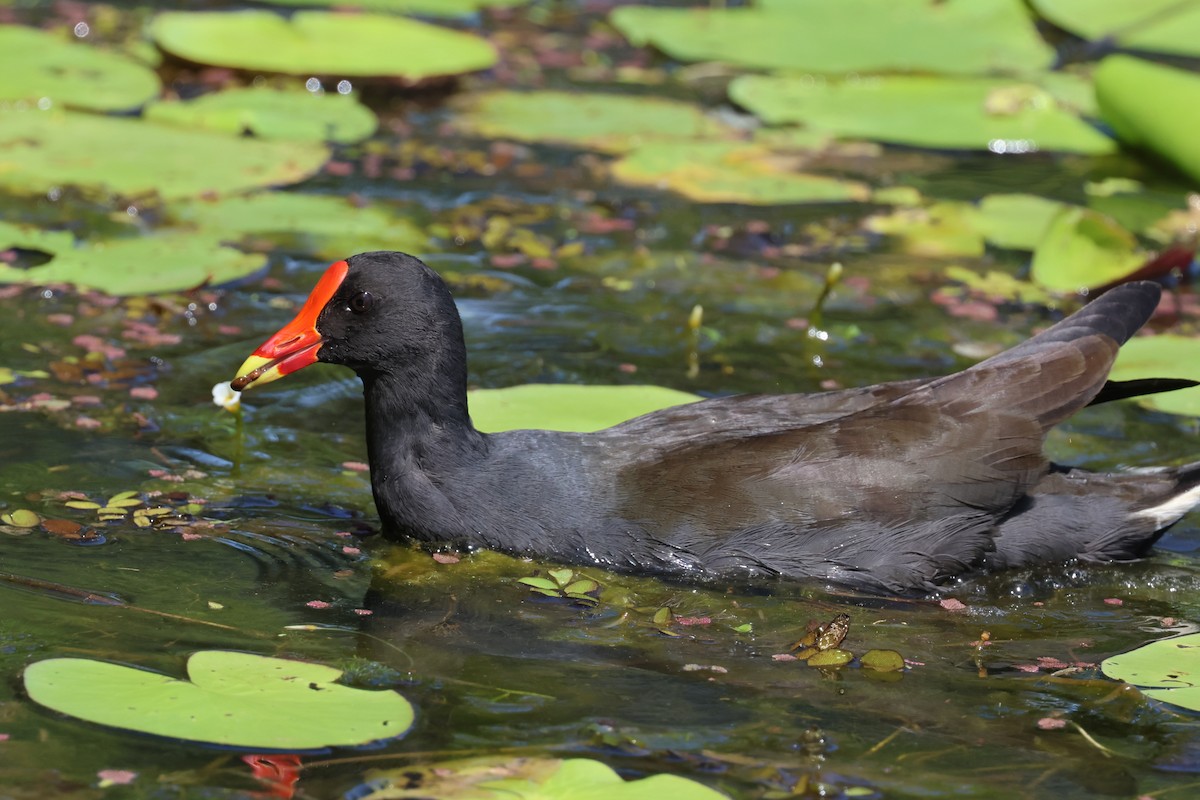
(491, 667)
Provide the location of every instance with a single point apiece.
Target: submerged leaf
(1084, 249)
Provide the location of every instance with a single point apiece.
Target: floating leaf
(162, 262)
(830, 658)
(882, 660)
(295, 115)
(725, 172)
(37, 66)
(431, 8)
(567, 407)
(322, 225)
(1163, 356)
(925, 111)
(21, 518)
(1165, 26)
(1083, 249)
(1016, 221)
(40, 151)
(1166, 669)
(561, 576)
(959, 36)
(942, 229)
(232, 699)
(581, 587)
(540, 583)
(611, 123)
(316, 42)
(1133, 93)
(527, 779)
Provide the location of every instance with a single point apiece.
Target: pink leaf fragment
(3, 737)
(363, 612)
(87, 423)
(115, 777)
(1051, 723)
(320, 604)
(694, 620)
(356, 466)
(351, 551)
(950, 604)
(94, 344)
(143, 392)
(446, 558)
(783, 657)
(1114, 601)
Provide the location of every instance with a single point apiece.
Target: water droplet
(45, 103)
(313, 85)
(82, 29)
(344, 87)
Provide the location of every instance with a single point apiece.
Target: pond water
(270, 546)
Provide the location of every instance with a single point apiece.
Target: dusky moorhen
(892, 487)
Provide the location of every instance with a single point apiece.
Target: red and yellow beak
(295, 345)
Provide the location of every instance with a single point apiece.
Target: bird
(894, 488)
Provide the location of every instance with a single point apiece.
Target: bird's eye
(362, 302)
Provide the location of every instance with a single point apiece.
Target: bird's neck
(420, 441)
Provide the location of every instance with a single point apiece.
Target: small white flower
(226, 397)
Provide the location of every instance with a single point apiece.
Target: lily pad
(1084, 249)
(232, 699)
(429, 8)
(321, 43)
(924, 111)
(567, 407)
(727, 172)
(1132, 95)
(37, 66)
(607, 122)
(528, 779)
(1016, 221)
(958, 36)
(296, 115)
(1164, 356)
(945, 228)
(1165, 26)
(43, 150)
(162, 262)
(1167, 670)
(320, 225)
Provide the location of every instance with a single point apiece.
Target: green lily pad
(1164, 356)
(1165, 26)
(296, 115)
(1016, 221)
(924, 111)
(945, 228)
(40, 151)
(882, 660)
(971, 37)
(727, 172)
(567, 407)
(607, 122)
(232, 699)
(316, 42)
(35, 65)
(1084, 249)
(320, 225)
(429, 8)
(834, 657)
(1000, 287)
(1167, 670)
(162, 262)
(528, 779)
(1133, 93)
